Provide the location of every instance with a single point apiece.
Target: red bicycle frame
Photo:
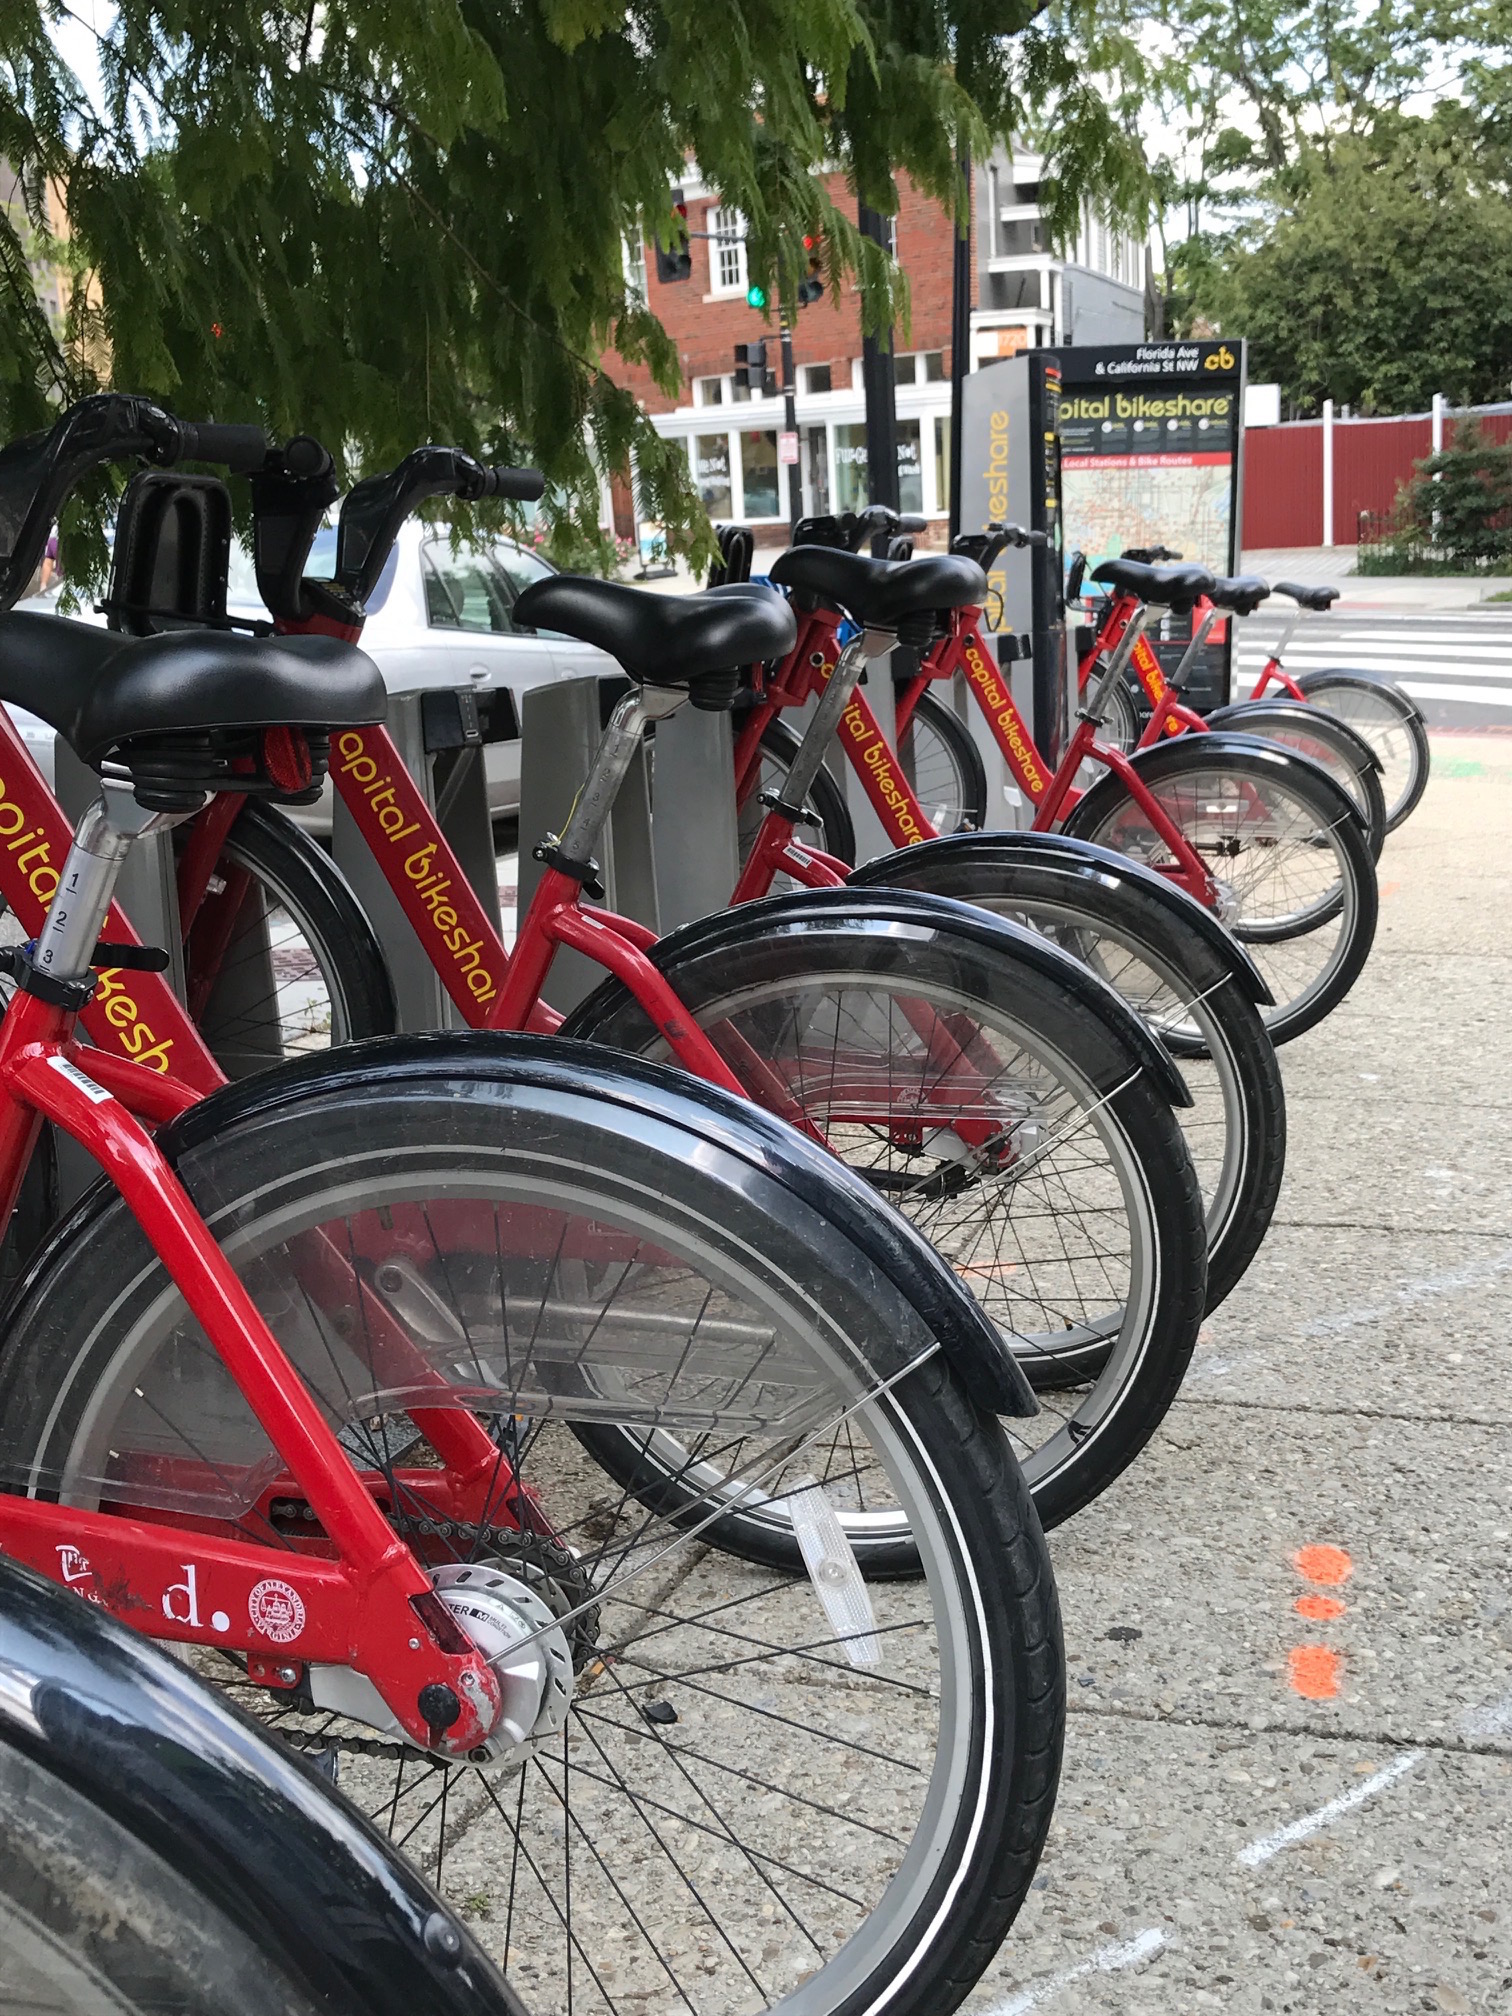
(963, 649)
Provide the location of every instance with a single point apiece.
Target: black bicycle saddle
(1241, 593)
(1173, 588)
(101, 689)
(1308, 595)
(666, 640)
(882, 594)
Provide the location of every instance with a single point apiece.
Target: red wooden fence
(1283, 472)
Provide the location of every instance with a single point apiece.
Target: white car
(437, 618)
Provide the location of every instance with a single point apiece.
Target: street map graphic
(1152, 467)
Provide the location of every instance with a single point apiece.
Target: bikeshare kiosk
(1010, 474)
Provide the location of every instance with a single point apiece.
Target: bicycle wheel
(1093, 905)
(281, 959)
(829, 823)
(1296, 882)
(1390, 723)
(983, 1092)
(157, 1854)
(1325, 740)
(746, 1796)
(944, 767)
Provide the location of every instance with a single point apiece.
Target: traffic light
(755, 296)
(676, 262)
(751, 370)
(811, 286)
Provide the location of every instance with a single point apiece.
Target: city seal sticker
(277, 1611)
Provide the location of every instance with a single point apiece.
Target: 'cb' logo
(1221, 359)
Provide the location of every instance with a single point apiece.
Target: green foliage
(1380, 274)
(383, 224)
(1454, 516)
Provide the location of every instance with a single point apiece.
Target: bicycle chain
(553, 1566)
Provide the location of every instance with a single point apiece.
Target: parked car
(438, 618)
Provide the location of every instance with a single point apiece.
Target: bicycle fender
(1219, 751)
(248, 1824)
(1233, 717)
(885, 911)
(1309, 680)
(542, 1069)
(941, 866)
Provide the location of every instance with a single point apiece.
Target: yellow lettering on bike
(1147, 665)
(1006, 717)
(31, 853)
(391, 823)
(877, 758)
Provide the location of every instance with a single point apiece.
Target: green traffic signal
(755, 297)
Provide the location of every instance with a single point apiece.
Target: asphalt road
(1456, 664)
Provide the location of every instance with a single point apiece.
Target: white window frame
(727, 253)
(634, 257)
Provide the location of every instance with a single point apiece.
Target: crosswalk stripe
(1479, 696)
(1361, 662)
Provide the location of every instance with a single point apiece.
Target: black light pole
(960, 333)
(790, 426)
(880, 386)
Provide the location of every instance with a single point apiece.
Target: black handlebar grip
(526, 486)
(912, 524)
(306, 458)
(231, 446)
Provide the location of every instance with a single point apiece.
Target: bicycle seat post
(1123, 651)
(825, 721)
(611, 761)
(104, 837)
(1177, 679)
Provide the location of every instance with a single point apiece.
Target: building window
(905, 368)
(635, 266)
(727, 252)
(708, 392)
(910, 472)
(942, 461)
(934, 367)
(818, 378)
(759, 473)
(816, 469)
(711, 473)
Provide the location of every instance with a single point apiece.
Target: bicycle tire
(320, 980)
(1173, 976)
(1326, 740)
(830, 827)
(944, 767)
(775, 986)
(1389, 720)
(1199, 779)
(657, 1181)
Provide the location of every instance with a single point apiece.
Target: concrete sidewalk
(1288, 1781)
(1366, 593)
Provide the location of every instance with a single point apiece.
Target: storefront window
(910, 471)
(851, 490)
(816, 469)
(942, 461)
(711, 472)
(758, 467)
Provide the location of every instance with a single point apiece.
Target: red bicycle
(1258, 835)
(1378, 711)
(1310, 731)
(311, 1381)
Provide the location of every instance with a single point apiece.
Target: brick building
(1023, 295)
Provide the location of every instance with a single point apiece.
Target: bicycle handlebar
(376, 508)
(39, 472)
(1150, 556)
(985, 546)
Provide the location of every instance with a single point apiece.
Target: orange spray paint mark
(1314, 1671)
(1330, 1567)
